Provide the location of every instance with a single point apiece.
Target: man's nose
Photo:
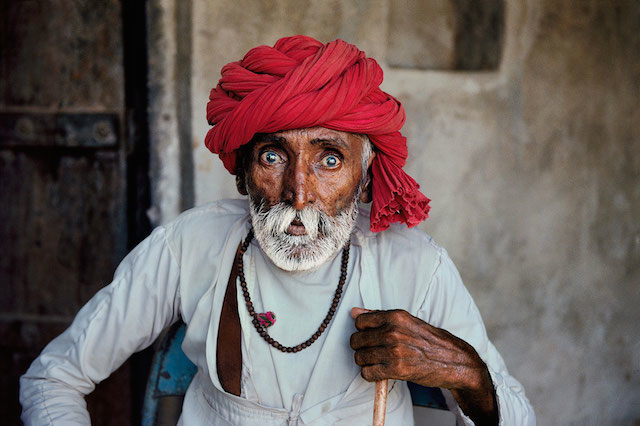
(299, 189)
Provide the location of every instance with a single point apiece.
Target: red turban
(300, 83)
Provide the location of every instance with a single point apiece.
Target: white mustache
(324, 236)
(279, 217)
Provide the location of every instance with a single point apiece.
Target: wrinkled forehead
(316, 132)
(353, 140)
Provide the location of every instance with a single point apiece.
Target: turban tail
(300, 83)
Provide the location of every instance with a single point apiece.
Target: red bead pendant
(267, 319)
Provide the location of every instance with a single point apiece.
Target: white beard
(325, 236)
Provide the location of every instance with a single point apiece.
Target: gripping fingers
(371, 319)
(364, 339)
(373, 373)
(367, 356)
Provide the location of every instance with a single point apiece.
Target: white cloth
(300, 301)
(181, 270)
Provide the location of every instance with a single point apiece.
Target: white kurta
(181, 270)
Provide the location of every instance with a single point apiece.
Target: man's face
(303, 187)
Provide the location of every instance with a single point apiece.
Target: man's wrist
(478, 378)
(477, 397)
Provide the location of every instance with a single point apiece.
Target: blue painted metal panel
(176, 371)
(170, 375)
(427, 397)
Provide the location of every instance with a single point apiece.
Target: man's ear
(366, 195)
(241, 184)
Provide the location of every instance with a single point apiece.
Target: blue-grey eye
(271, 157)
(331, 161)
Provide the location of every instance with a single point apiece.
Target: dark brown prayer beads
(256, 321)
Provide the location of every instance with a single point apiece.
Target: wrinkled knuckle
(400, 369)
(366, 374)
(406, 318)
(395, 351)
(394, 334)
(395, 315)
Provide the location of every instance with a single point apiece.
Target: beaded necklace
(258, 324)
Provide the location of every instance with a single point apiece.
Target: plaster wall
(533, 170)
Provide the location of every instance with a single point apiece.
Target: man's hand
(396, 345)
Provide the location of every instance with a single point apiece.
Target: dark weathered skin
(389, 344)
(301, 175)
(396, 345)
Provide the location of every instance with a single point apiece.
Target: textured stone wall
(532, 168)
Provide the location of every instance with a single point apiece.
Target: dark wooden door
(72, 175)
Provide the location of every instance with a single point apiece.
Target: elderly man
(297, 300)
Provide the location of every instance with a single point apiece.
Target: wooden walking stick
(380, 402)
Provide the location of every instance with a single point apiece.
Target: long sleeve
(124, 317)
(449, 305)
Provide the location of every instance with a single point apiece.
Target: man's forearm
(480, 405)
